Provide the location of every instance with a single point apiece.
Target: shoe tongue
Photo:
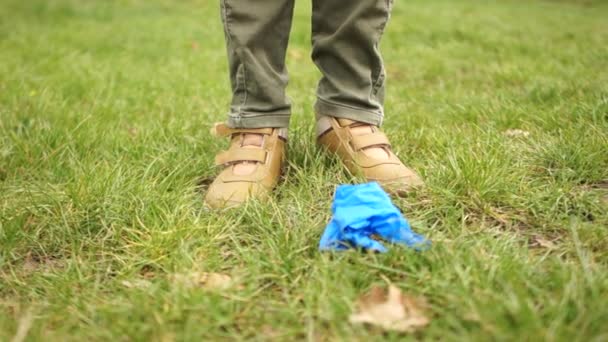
(251, 140)
(248, 141)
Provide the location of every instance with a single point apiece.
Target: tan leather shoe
(230, 188)
(336, 135)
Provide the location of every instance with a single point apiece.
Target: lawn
(105, 152)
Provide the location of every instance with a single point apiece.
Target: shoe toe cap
(231, 194)
(394, 177)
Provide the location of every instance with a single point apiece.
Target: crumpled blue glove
(360, 211)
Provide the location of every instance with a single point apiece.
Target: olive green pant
(345, 39)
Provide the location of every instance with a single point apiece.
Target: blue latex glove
(360, 211)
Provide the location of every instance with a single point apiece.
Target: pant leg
(345, 38)
(257, 33)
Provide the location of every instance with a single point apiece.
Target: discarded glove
(360, 211)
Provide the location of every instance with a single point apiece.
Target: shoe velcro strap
(241, 155)
(222, 130)
(360, 142)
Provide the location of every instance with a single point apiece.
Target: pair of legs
(345, 38)
(350, 95)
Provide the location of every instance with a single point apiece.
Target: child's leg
(256, 38)
(350, 96)
(345, 37)
(257, 33)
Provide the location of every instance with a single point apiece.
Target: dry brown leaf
(206, 280)
(390, 311)
(516, 133)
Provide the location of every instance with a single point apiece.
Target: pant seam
(244, 102)
(225, 14)
(226, 24)
(378, 82)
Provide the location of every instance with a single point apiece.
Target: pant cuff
(258, 120)
(323, 107)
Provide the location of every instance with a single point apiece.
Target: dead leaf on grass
(516, 133)
(206, 280)
(390, 311)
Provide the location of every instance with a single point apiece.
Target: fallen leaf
(516, 133)
(207, 280)
(390, 311)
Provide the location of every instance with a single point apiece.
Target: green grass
(105, 108)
